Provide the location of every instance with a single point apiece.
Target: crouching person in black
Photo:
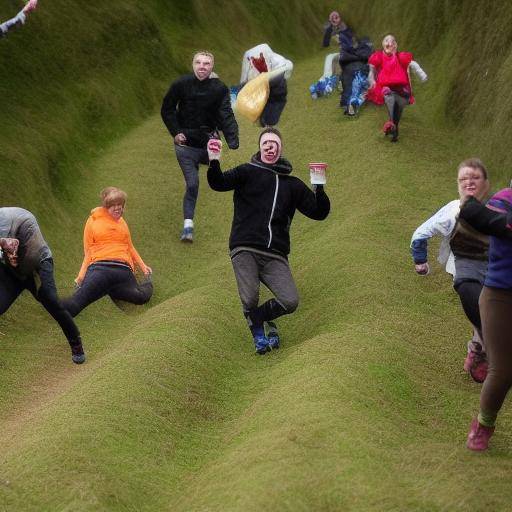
(265, 199)
(26, 264)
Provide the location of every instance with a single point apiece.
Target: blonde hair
(205, 54)
(111, 196)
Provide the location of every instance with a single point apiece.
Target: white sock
(188, 223)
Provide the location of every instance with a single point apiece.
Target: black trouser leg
(10, 288)
(131, 291)
(96, 284)
(275, 103)
(46, 294)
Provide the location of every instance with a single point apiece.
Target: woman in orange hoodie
(109, 258)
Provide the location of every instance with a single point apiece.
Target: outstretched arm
(486, 220)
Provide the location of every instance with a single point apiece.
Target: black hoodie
(265, 199)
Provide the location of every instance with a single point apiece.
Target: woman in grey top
(26, 264)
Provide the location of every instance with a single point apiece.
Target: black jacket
(197, 108)
(265, 199)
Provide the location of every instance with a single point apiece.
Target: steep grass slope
(365, 407)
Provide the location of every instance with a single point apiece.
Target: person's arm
(88, 241)
(223, 181)
(17, 21)
(441, 223)
(136, 256)
(487, 220)
(169, 110)
(313, 204)
(371, 77)
(326, 41)
(418, 71)
(227, 122)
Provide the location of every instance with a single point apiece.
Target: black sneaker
(77, 352)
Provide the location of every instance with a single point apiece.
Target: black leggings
(116, 281)
(42, 286)
(275, 103)
(469, 293)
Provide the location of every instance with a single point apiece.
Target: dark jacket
(359, 54)
(265, 199)
(197, 108)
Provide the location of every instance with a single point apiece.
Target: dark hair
(270, 129)
(474, 163)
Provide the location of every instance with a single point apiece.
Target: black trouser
(469, 293)
(275, 103)
(347, 77)
(42, 286)
(116, 281)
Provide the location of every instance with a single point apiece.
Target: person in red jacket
(110, 258)
(390, 82)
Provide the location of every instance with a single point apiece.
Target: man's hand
(180, 139)
(214, 148)
(422, 268)
(10, 247)
(30, 6)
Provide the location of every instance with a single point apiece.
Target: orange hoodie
(108, 239)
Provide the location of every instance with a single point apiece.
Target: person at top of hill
(464, 253)
(26, 263)
(196, 106)
(332, 28)
(390, 83)
(260, 59)
(19, 19)
(495, 220)
(354, 54)
(265, 198)
(110, 258)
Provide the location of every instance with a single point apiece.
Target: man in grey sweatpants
(194, 109)
(265, 199)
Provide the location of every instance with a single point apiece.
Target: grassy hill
(365, 406)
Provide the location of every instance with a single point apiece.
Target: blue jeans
(116, 281)
(42, 286)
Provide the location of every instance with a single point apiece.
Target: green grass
(365, 406)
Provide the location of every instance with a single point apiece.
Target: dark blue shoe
(272, 335)
(187, 235)
(261, 344)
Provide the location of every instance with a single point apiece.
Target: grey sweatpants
(189, 159)
(395, 105)
(252, 268)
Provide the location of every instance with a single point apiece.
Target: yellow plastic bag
(251, 100)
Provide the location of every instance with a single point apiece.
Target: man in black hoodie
(194, 108)
(265, 199)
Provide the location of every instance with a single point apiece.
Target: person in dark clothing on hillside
(354, 56)
(194, 108)
(265, 199)
(332, 28)
(26, 264)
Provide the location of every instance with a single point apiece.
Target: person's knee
(290, 303)
(193, 189)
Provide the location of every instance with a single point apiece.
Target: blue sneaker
(272, 335)
(187, 235)
(261, 344)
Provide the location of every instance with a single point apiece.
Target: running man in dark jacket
(265, 199)
(194, 108)
(26, 264)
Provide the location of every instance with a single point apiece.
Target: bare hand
(79, 281)
(422, 268)
(147, 270)
(180, 139)
(214, 148)
(30, 6)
